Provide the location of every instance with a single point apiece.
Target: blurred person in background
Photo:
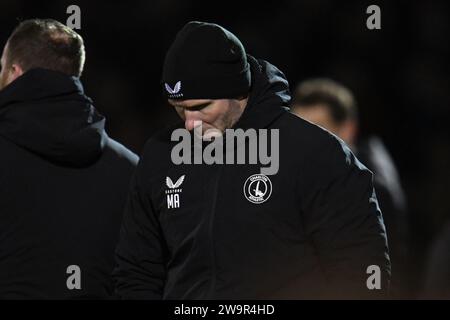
(63, 181)
(332, 106)
(437, 276)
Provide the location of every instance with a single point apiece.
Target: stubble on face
(215, 116)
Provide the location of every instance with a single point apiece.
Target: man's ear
(15, 71)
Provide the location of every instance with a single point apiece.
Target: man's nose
(192, 119)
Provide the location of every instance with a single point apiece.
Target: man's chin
(212, 134)
(207, 134)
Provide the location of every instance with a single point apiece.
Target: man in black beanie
(63, 181)
(221, 74)
(310, 229)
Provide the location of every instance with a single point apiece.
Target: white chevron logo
(176, 89)
(177, 184)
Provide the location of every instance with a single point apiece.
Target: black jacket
(314, 236)
(63, 186)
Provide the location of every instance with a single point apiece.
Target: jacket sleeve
(140, 255)
(344, 222)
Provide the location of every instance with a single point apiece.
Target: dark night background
(399, 74)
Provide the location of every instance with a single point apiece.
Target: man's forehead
(189, 103)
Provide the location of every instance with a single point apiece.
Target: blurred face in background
(321, 116)
(215, 115)
(318, 115)
(9, 71)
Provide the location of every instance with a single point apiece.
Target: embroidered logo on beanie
(175, 92)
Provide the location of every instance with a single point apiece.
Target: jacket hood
(269, 95)
(47, 113)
